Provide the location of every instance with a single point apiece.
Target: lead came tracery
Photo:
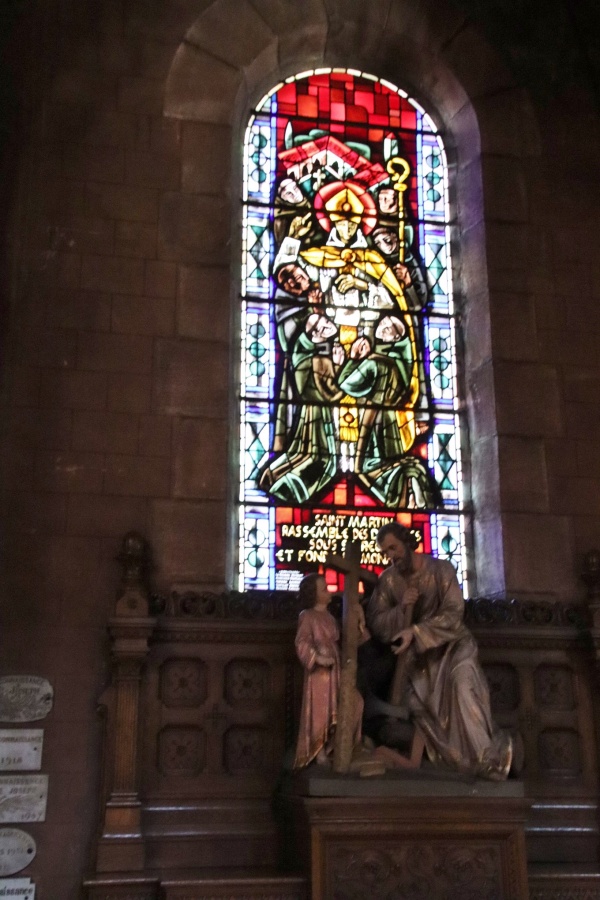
(348, 401)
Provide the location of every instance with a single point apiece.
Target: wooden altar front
(407, 835)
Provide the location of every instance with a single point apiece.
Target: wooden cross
(349, 564)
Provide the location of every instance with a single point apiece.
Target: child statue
(317, 648)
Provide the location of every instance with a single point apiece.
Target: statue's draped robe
(318, 633)
(447, 693)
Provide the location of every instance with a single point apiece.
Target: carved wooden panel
(560, 752)
(183, 682)
(181, 750)
(247, 681)
(414, 870)
(247, 749)
(554, 687)
(505, 691)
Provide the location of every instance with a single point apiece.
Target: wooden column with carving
(121, 844)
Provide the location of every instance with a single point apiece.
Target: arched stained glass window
(349, 412)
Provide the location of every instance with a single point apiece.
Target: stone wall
(122, 230)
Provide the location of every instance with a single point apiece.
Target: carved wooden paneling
(505, 691)
(181, 750)
(183, 683)
(560, 752)
(247, 681)
(445, 870)
(247, 749)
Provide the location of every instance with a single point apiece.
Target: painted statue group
(444, 703)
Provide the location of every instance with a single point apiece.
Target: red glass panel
(307, 106)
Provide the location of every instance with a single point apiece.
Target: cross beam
(349, 565)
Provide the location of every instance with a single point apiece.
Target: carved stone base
(409, 839)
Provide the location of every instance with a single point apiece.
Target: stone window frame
(236, 50)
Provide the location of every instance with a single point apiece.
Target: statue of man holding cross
(416, 617)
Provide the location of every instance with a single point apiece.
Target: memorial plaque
(23, 798)
(24, 698)
(21, 749)
(17, 887)
(17, 849)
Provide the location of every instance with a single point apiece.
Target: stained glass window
(349, 407)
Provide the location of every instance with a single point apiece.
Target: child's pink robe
(317, 633)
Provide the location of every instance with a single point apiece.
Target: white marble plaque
(21, 749)
(23, 798)
(24, 698)
(17, 887)
(17, 849)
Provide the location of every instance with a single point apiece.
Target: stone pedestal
(406, 836)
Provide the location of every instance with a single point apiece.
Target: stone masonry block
(135, 239)
(523, 475)
(539, 555)
(50, 428)
(115, 353)
(131, 203)
(80, 234)
(527, 399)
(165, 135)
(201, 463)
(507, 123)
(581, 384)
(206, 152)
(287, 16)
(194, 228)
(576, 496)
(514, 326)
(232, 31)
(128, 392)
(583, 420)
(74, 390)
(109, 127)
(52, 350)
(478, 67)
(200, 87)
(118, 275)
(203, 302)
(155, 170)
(189, 540)
(508, 253)
(94, 163)
(36, 513)
(154, 435)
(21, 385)
(505, 189)
(143, 476)
(143, 315)
(102, 432)
(106, 516)
(570, 349)
(144, 95)
(69, 472)
(160, 278)
(191, 378)
(485, 485)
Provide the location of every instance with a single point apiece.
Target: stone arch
(238, 49)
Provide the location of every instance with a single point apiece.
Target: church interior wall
(118, 349)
